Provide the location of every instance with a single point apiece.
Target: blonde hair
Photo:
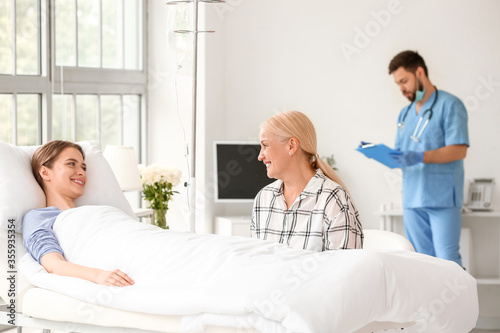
(47, 154)
(295, 124)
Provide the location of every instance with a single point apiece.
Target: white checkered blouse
(323, 217)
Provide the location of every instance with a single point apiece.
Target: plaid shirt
(323, 217)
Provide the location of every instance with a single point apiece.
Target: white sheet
(242, 282)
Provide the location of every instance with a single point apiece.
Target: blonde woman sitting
(307, 207)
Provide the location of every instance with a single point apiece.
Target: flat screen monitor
(239, 174)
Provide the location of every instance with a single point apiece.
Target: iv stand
(195, 31)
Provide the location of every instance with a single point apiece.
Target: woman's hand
(114, 278)
(55, 263)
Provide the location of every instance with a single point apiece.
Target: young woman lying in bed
(59, 167)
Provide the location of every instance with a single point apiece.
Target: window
(92, 33)
(110, 119)
(20, 37)
(21, 71)
(83, 81)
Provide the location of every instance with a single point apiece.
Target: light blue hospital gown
(38, 237)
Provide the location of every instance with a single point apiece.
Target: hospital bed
(60, 309)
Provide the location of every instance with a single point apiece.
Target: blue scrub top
(434, 185)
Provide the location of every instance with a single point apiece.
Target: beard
(411, 95)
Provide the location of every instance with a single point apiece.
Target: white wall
(272, 55)
(329, 59)
(170, 108)
(169, 101)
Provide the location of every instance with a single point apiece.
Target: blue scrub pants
(434, 231)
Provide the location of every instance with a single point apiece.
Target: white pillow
(19, 191)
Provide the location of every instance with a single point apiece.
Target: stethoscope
(416, 133)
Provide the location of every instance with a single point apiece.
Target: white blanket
(243, 282)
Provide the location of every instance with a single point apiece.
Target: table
(145, 212)
(233, 225)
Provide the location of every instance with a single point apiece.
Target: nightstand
(233, 225)
(145, 212)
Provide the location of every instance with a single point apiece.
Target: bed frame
(48, 325)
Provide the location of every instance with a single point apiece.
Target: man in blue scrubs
(432, 141)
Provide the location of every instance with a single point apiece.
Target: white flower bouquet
(158, 182)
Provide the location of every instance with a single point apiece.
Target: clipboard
(379, 153)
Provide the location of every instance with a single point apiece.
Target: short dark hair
(409, 60)
(47, 154)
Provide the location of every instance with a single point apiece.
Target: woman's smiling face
(274, 154)
(68, 174)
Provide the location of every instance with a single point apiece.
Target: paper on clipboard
(380, 153)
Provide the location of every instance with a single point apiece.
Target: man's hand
(408, 158)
